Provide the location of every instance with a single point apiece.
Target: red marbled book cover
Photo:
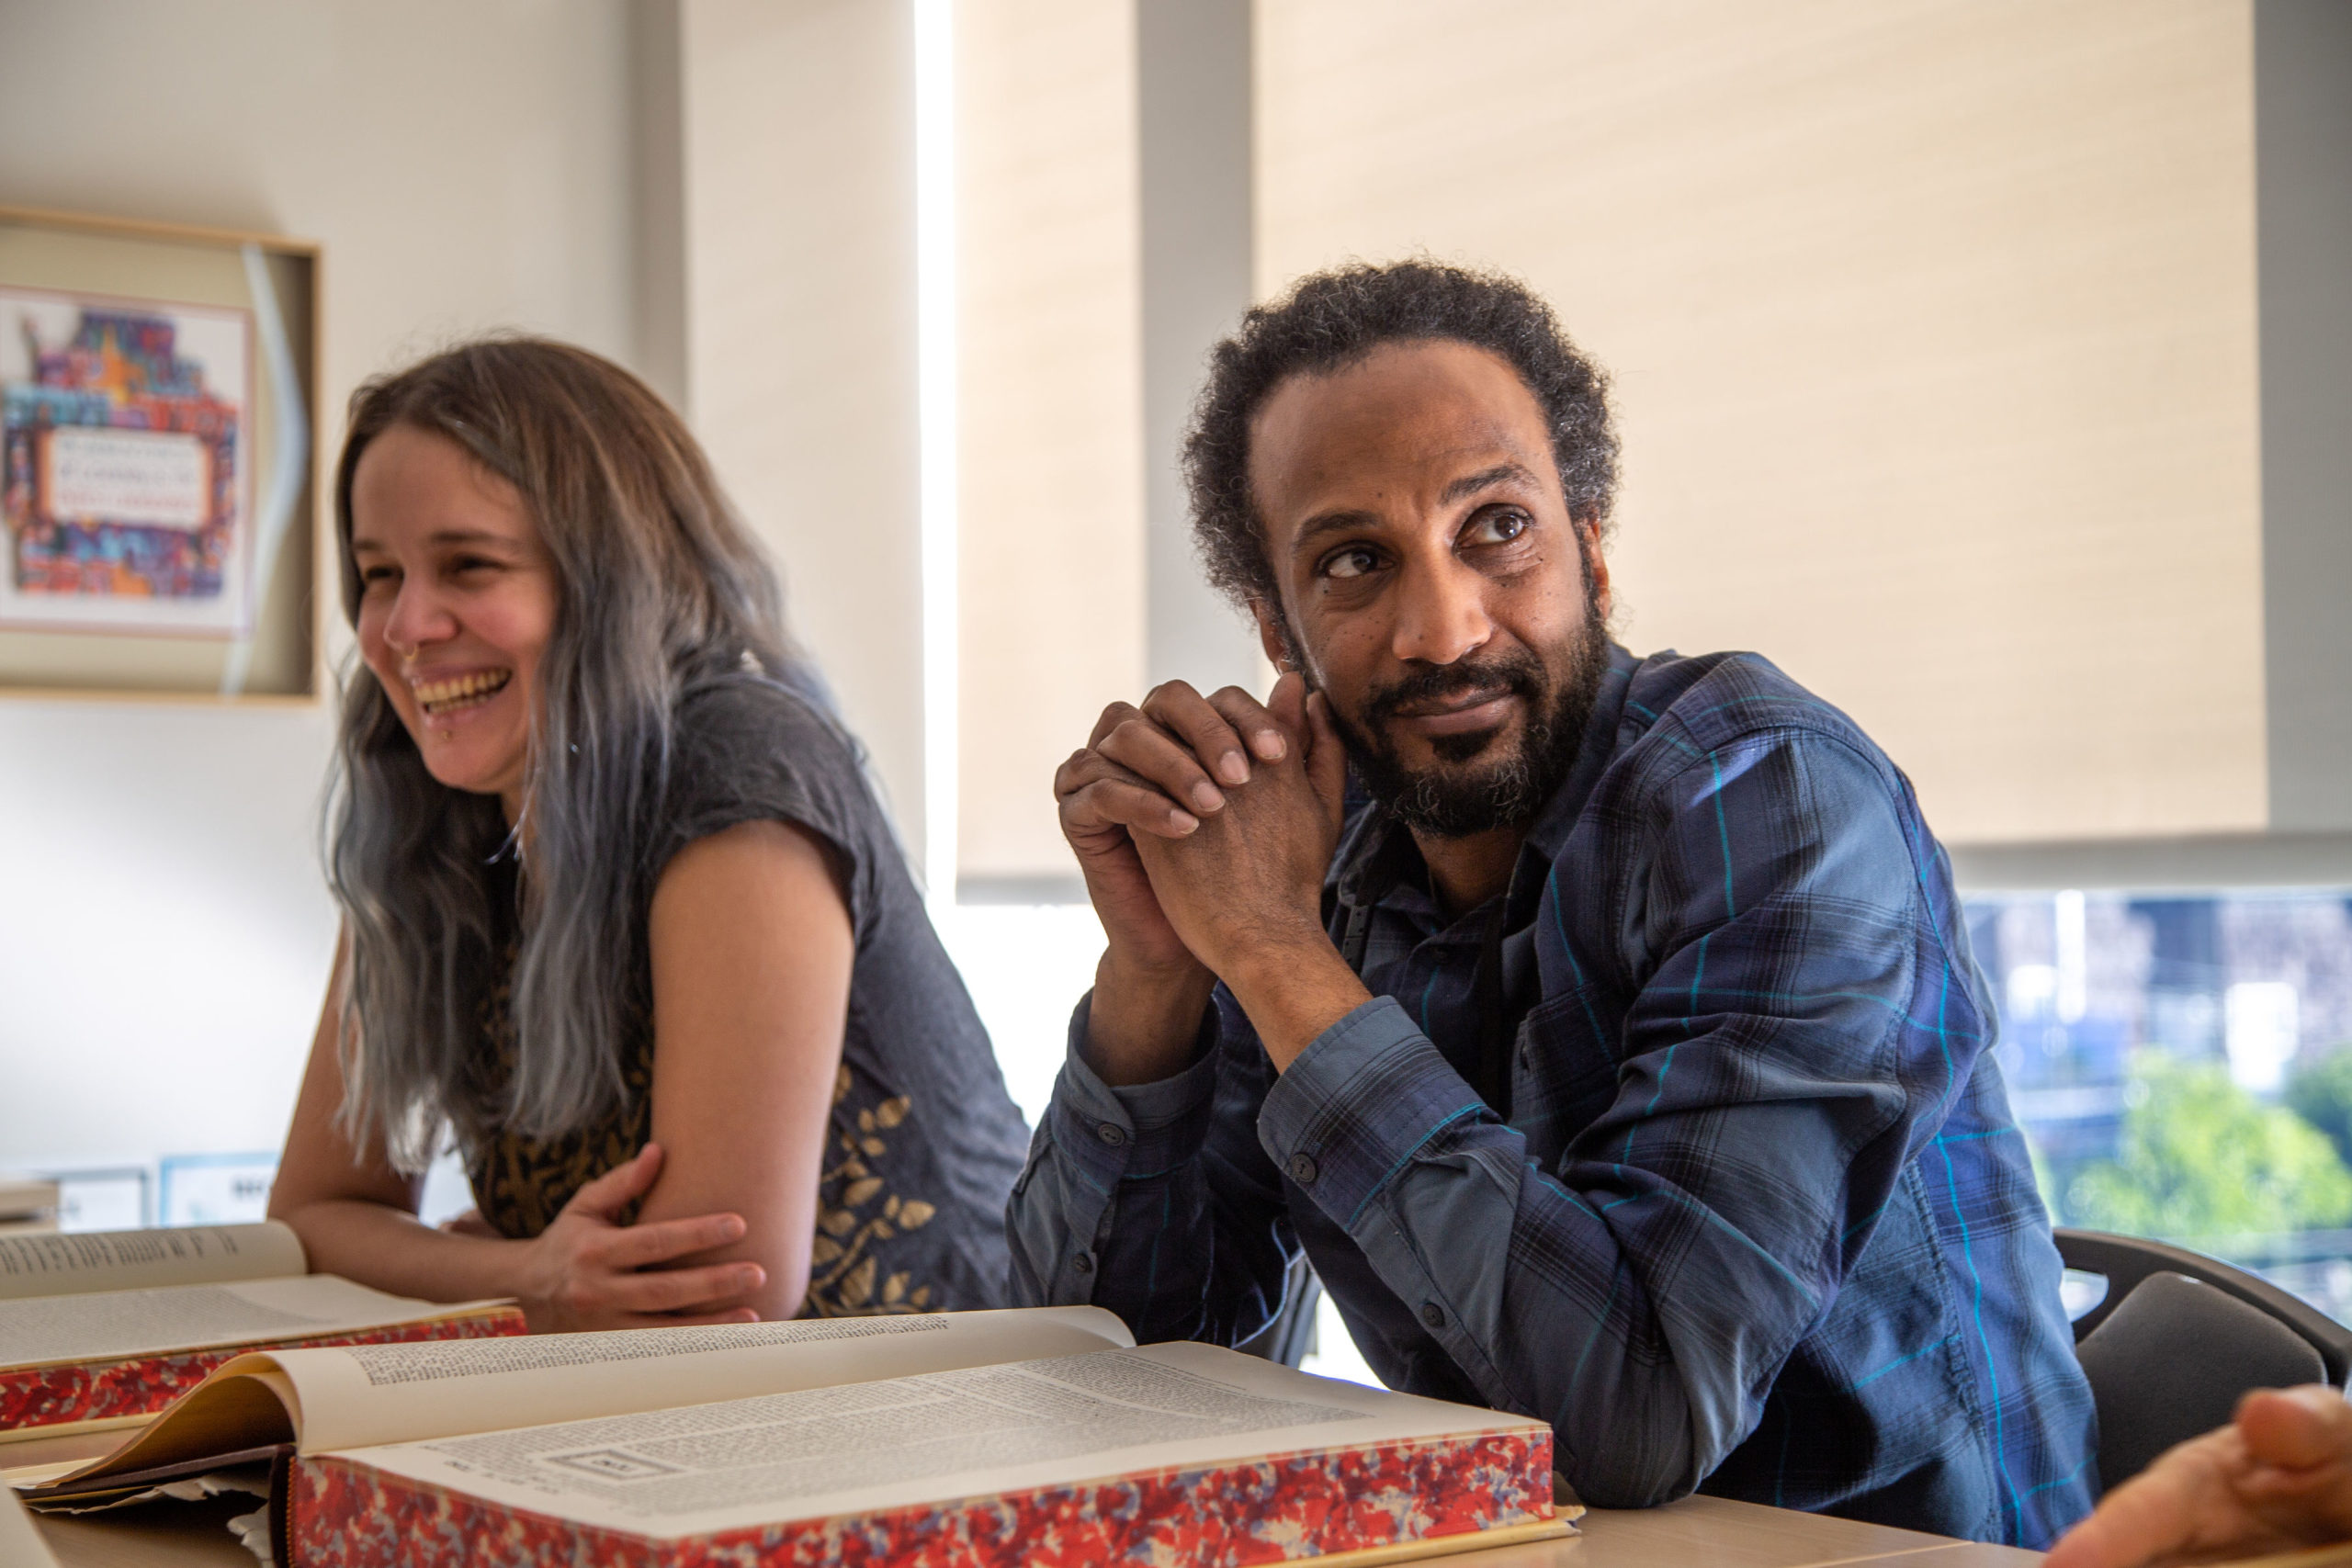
(346, 1513)
(63, 1393)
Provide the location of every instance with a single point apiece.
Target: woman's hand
(587, 1271)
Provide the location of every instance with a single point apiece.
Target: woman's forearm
(391, 1249)
(585, 1270)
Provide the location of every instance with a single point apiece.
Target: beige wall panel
(1933, 332)
(799, 201)
(1051, 492)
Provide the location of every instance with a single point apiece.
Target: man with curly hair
(1602, 1028)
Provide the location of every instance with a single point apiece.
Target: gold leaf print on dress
(855, 1210)
(521, 1184)
(857, 1289)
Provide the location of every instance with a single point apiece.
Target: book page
(911, 1443)
(112, 1324)
(347, 1397)
(389, 1394)
(53, 1264)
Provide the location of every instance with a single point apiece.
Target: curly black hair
(1331, 320)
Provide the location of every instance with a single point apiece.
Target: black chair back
(2179, 1337)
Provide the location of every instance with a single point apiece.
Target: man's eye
(1349, 563)
(1499, 527)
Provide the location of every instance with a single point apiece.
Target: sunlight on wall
(1026, 966)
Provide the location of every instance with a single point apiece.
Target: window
(2182, 1066)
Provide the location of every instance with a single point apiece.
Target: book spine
(348, 1514)
(144, 1385)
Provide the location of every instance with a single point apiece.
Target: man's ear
(1596, 565)
(1269, 634)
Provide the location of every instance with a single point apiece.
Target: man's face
(1433, 585)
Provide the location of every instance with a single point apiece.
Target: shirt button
(1082, 1263)
(1111, 1133)
(1301, 1169)
(1433, 1315)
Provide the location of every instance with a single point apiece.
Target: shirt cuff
(1345, 1116)
(1145, 1126)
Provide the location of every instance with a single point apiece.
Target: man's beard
(1456, 799)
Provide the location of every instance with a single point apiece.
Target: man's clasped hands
(1204, 826)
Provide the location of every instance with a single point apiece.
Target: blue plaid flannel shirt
(1759, 1222)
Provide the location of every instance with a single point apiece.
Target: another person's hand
(587, 1271)
(2279, 1477)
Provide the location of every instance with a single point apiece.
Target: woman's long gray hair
(660, 586)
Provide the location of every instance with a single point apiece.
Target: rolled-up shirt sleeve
(1154, 1201)
(1757, 1105)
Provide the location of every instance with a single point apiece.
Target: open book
(105, 1328)
(972, 1438)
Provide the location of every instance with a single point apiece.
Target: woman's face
(457, 600)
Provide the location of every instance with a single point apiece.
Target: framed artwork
(123, 424)
(158, 510)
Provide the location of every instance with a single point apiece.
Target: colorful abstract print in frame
(145, 1385)
(121, 371)
(347, 1514)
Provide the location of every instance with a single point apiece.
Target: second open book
(103, 1330)
(975, 1437)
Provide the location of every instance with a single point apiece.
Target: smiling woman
(621, 913)
(457, 598)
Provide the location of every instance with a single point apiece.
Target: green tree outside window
(2322, 1095)
(2199, 1156)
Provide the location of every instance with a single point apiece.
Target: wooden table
(1697, 1533)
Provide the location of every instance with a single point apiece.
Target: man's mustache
(1522, 675)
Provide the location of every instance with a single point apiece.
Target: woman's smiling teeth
(441, 698)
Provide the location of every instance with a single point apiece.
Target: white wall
(163, 932)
